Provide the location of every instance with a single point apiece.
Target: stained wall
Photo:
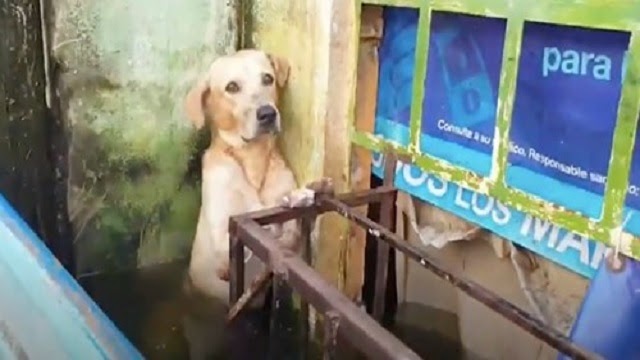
(121, 69)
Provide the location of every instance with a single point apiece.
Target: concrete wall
(123, 68)
(303, 41)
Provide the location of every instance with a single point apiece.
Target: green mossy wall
(125, 68)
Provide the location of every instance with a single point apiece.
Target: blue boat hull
(44, 313)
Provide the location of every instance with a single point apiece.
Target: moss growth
(134, 194)
(136, 164)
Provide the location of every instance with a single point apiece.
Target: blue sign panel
(564, 114)
(460, 89)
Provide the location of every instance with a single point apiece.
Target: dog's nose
(266, 115)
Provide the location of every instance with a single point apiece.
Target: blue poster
(568, 90)
(461, 84)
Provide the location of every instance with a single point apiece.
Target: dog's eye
(267, 79)
(232, 87)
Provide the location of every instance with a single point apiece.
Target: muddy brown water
(150, 308)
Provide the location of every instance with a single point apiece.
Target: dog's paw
(274, 229)
(223, 273)
(322, 186)
(299, 198)
(306, 196)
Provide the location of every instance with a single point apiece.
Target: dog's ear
(281, 68)
(194, 103)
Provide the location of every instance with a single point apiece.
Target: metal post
(331, 323)
(382, 259)
(306, 226)
(281, 325)
(236, 264)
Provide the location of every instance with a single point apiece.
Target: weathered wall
(303, 41)
(27, 174)
(124, 67)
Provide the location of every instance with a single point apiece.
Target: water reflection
(163, 322)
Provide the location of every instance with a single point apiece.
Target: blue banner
(568, 90)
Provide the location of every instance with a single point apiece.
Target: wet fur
(238, 176)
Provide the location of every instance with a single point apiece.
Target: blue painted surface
(44, 313)
(608, 322)
(568, 90)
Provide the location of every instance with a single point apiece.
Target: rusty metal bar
(331, 325)
(476, 291)
(236, 265)
(283, 214)
(258, 284)
(306, 227)
(382, 258)
(355, 325)
(279, 326)
(280, 215)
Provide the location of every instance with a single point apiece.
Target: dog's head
(238, 96)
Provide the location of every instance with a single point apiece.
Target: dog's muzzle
(267, 117)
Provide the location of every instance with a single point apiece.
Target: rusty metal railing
(343, 318)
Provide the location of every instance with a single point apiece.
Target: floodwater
(150, 308)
